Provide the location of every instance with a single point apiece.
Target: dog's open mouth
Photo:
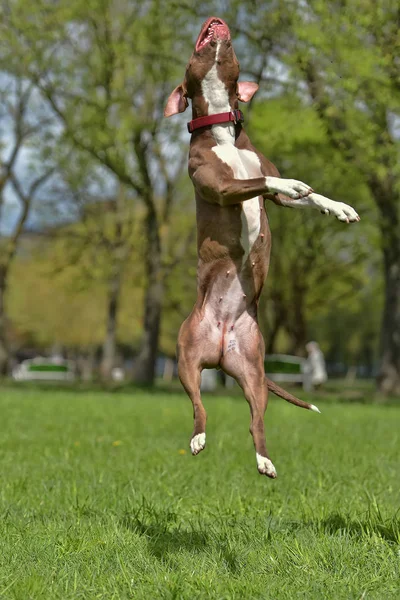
(213, 28)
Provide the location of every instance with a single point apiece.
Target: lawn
(100, 498)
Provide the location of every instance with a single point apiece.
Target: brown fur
(212, 333)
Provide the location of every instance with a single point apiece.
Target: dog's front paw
(290, 187)
(341, 211)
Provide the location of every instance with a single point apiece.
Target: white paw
(289, 187)
(265, 466)
(198, 443)
(341, 211)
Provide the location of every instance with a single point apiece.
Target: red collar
(235, 115)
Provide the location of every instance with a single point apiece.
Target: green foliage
(326, 113)
(315, 260)
(87, 511)
(58, 290)
(58, 285)
(105, 71)
(49, 309)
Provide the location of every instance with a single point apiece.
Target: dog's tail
(278, 391)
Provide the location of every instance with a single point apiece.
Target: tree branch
(26, 201)
(102, 157)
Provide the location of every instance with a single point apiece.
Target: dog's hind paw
(265, 466)
(198, 443)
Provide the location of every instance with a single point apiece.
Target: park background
(99, 496)
(98, 246)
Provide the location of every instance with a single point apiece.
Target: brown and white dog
(231, 180)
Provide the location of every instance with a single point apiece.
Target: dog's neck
(217, 97)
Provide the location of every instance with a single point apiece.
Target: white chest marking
(245, 165)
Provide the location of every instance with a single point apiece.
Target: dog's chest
(245, 165)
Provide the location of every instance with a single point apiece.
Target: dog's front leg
(219, 187)
(326, 206)
(343, 212)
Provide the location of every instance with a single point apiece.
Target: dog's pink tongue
(221, 31)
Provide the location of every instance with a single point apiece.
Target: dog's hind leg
(252, 382)
(195, 349)
(244, 360)
(190, 375)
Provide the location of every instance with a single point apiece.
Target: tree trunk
(120, 251)
(272, 336)
(145, 363)
(389, 373)
(86, 364)
(388, 380)
(110, 340)
(4, 350)
(279, 321)
(298, 327)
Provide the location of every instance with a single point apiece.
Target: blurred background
(97, 215)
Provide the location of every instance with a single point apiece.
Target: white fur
(244, 164)
(289, 187)
(315, 408)
(265, 466)
(216, 95)
(217, 52)
(292, 188)
(239, 161)
(198, 443)
(251, 225)
(341, 211)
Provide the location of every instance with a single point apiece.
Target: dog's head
(213, 70)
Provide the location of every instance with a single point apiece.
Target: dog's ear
(177, 102)
(246, 90)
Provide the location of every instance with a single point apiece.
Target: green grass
(99, 500)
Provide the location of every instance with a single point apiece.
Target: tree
(342, 58)
(100, 245)
(20, 125)
(61, 284)
(317, 265)
(59, 288)
(347, 56)
(106, 71)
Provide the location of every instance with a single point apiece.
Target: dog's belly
(227, 298)
(226, 316)
(245, 165)
(227, 290)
